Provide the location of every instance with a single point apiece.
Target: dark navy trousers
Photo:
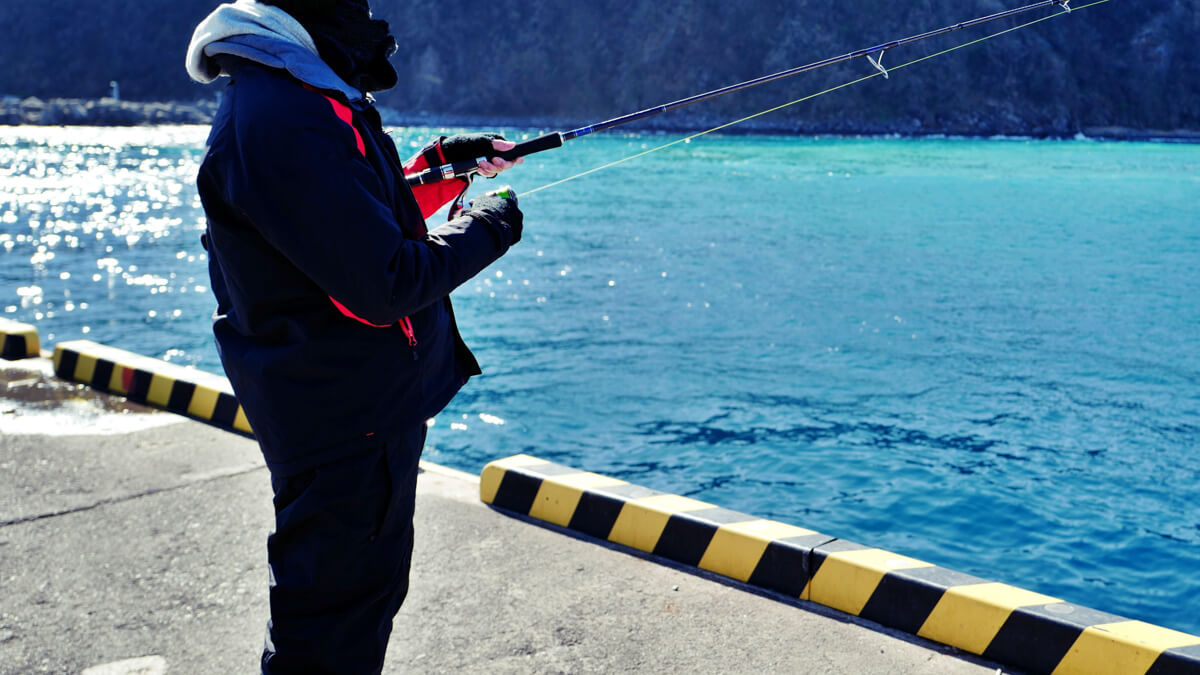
(339, 559)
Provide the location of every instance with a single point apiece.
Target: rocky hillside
(1121, 65)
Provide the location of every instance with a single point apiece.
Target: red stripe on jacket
(345, 114)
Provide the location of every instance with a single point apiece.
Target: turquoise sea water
(984, 354)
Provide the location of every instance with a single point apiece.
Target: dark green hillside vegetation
(1122, 64)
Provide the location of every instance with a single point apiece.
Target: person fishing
(333, 317)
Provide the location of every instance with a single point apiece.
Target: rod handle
(548, 141)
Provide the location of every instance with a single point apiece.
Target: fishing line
(556, 139)
(687, 139)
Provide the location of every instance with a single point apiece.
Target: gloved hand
(468, 147)
(503, 209)
(465, 147)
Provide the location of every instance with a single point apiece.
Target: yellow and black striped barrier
(18, 340)
(1034, 632)
(153, 382)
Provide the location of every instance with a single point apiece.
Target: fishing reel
(460, 204)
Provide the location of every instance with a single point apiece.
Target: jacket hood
(264, 34)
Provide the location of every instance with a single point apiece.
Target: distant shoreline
(110, 112)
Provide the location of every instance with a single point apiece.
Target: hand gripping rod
(555, 139)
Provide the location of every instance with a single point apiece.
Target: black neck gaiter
(355, 45)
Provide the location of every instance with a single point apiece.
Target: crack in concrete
(199, 480)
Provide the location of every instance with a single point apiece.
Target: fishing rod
(555, 139)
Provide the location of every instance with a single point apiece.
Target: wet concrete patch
(34, 401)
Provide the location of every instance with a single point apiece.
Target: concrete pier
(134, 541)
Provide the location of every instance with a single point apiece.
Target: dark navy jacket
(308, 210)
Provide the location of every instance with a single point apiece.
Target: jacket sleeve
(433, 196)
(302, 183)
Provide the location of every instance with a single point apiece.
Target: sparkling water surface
(983, 354)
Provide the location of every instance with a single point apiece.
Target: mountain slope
(1118, 64)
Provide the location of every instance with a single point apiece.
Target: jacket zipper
(407, 327)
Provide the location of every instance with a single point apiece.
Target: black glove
(468, 147)
(501, 209)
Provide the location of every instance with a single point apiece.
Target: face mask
(356, 45)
